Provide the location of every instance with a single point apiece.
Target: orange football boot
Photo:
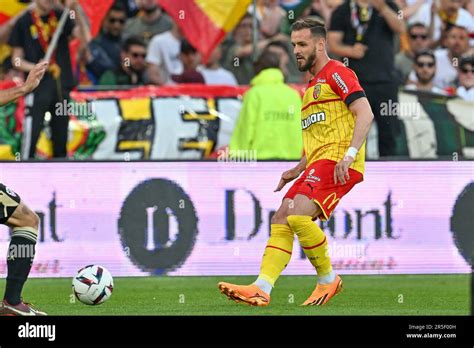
(324, 292)
(248, 294)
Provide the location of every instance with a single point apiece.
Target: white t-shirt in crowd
(219, 76)
(434, 89)
(163, 51)
(423, 15)
(466, 94)
(445, 74)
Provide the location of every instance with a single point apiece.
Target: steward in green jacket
(269, 122)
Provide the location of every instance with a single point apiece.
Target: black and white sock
(21, 253)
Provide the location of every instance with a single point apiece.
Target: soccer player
(335, 118)
(24, 222)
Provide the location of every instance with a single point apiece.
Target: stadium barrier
(191, 122)
(212, 218)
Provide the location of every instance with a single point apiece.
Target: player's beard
(309, 62)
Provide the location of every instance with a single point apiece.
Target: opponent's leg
(315, 246)
(21, 252)
(275, 258)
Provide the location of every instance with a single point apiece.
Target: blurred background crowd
(413, 44)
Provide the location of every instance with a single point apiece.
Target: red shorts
(317, 183)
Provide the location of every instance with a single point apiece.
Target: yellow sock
(277, 253)
(313, 241)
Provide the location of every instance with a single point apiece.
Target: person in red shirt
(335, 118)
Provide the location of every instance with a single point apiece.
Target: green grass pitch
(362, 295)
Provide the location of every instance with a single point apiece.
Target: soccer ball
(93, 285)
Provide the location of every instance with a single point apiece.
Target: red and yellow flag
(96, 11)
(205, 22)
(9, 8)
(93, 9)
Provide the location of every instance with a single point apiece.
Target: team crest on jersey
(317, 91)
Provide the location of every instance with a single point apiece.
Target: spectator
(6, 69)
(287, 62)
(133, 67)
(104, 51)
(362, 32)
(190, 60)
(269, 125)
(425, 68)
(270, 16)
(466, 79)
(214, 74)
(450, 12)
(30, 39)
(150, 22)
(409, 7)
(130, 7)
(163, 56)
(238, 58)
(457, 44)
(418, 41)
(322, 9)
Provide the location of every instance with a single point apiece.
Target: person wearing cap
(465, 89)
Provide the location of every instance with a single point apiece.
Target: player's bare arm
(292, 174)
(364, 116)
(33, 80)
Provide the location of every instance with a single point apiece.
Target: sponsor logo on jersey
(317, 91)
(312, 119)
(340, 82)
(320, 80)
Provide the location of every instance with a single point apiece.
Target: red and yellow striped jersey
(327, 122)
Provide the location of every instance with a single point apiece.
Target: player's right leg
(276, 257)
(24, 222)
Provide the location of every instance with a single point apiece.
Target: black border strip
(317, 330)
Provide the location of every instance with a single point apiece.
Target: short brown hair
(315, 25)
(266, 60)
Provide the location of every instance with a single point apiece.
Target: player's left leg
(21, 251)
(275, 258)
(314, 243)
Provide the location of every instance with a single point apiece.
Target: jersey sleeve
(344, 82)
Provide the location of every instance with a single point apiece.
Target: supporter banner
(191, 122)
(436, 126)
(213, 218)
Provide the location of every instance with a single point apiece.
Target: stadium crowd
(417, 44)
